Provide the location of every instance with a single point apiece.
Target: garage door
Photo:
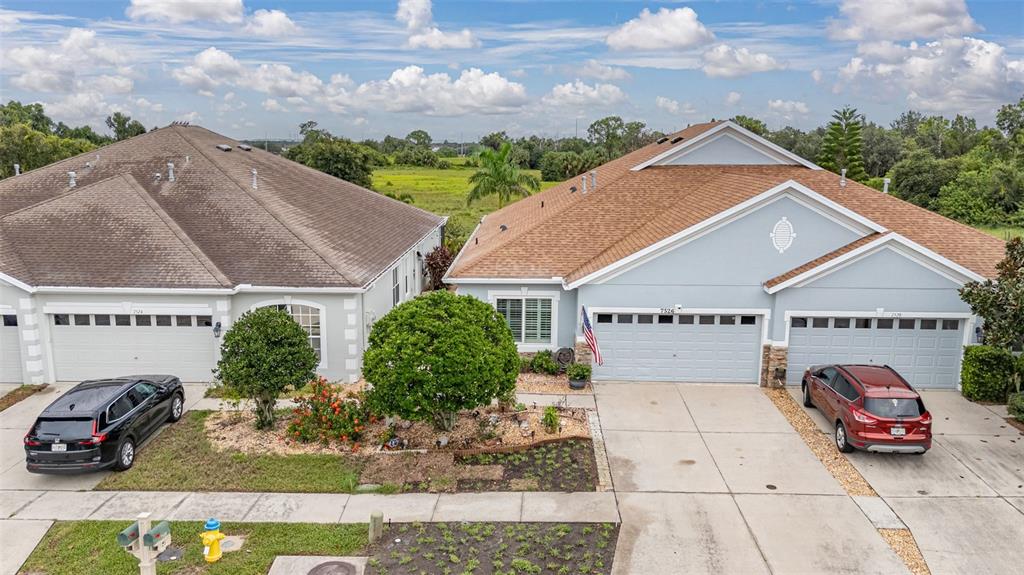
(10, 349)
(925, 351)
(94, 346)
(690, 348)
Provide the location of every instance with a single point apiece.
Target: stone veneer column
(774, 357)
(583, 353)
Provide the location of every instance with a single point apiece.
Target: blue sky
(459, 69)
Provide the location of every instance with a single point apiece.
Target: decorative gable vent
(782, 235)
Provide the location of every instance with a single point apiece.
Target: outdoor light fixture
(216, 329)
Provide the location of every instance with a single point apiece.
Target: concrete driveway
(713, 479)
(962, 499)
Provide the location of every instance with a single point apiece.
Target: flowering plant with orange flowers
(328, 414)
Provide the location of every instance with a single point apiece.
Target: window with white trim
(529, 318)
(396, 293)
(308, 317)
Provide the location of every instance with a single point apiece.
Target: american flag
(588, 333)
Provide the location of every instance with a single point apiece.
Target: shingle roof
(121, 227)
(558, 233)
(824, 259)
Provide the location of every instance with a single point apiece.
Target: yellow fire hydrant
(211, 541)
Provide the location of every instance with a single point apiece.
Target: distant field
(1004, 233)
(440, 191)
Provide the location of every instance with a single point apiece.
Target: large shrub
(987, 373)
(437, 354)
(1001, 302)
(264, 352)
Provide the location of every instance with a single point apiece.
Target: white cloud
(579, 94)
(80, 106)
(114, 84)
(599, 71)
(410, 89)
(281, 80)
(177, 11)
(724, 61)
(66, 67)
(733, 98)
(952, 75)
(901, 19)
(271, 23)
(147, 106)
(788, 109)
(518, 73)
(674, 107)
(665, 29)
(209, 68)
(816, 76)
(418, 17)
(272, 105)
(190, 117)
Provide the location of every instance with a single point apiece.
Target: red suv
(872, 407)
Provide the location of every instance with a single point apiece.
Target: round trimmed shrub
(437, 354)
(987, 373)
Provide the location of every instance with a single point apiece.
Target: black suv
(100, 423)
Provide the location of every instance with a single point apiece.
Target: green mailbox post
(145, 542)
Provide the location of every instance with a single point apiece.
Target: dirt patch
(821, 444)
(490, 548)
(903, 543)
(562, 466)
(23, 392)
(548, 384)
(1018, 425)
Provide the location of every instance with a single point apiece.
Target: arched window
(309, 318)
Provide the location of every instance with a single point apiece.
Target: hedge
(987, 373)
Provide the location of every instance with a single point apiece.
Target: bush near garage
(543, 362)
(328, 414)
(987, 373)
(1015, 406)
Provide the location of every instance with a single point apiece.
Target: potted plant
(579, 375)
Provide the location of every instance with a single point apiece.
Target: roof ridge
(826, 257)
(301, 237)
(178, 232)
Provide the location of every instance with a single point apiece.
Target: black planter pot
(577, 383)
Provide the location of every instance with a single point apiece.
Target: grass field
(1005, 233)
(442, 192)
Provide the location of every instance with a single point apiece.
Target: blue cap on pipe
(212, 524)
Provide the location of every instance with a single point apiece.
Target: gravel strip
(903, 543)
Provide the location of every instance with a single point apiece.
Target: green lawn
(77, 547)
(182, 459)
(1004, 233)
(440, 191)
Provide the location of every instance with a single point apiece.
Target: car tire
(177, 408)
(842, 442)
(807, 396)
(125, 455)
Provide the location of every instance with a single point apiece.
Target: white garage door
(94, 346)
(689, 348)
(925, 351)
(10, 350)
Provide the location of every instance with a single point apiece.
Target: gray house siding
(567, 316)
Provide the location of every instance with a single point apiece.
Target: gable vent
(677, 139)
(224, 147)
(662, 140)
(245, 147)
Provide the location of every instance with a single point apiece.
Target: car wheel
(125, 455)
(177, 408)
(842, 443)
(807, 396)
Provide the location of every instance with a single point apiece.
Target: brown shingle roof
(208, 228)
(574, 234)
(823, 259)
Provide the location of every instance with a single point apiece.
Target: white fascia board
(969, 274)
(16, 283)
(368, 284)
(458, 256)
(725, 216)
(728, 124)
(542, 281)
(833, 263)
(193, 291)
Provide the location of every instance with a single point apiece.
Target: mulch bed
(548, 384)
(494, 548)
(18, 394)
(562, 466)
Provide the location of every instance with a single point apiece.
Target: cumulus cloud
(411, 89)
(272, 105)
(599, 71)
(73, 64)
(147, 106)
(733, 98)
(724, 61)
(271, 23)
(788, 109)
(209, 69)
(816, 76)
(178, 11)
(664, 29)
(580, 94)
(418, 17)
(674, 107)
(901, 19)
(949, 75)
(80, 106)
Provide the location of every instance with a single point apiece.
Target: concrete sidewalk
(598, 507)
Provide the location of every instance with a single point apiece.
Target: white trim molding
(695, 143)
(523, 293)
(288, 300)
(126, 307)
(788, 315)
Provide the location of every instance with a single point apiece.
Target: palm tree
(498, 175)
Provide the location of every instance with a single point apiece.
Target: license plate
(59, 447)
(898, 431)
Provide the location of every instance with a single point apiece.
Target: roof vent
(17, 169)
(503, 227)
(224, 147)
(593, 180)
(71, 180)
(885, 185)
(662, 140)
(542, 203)
(188, 159)
(88, 165)
(584, 180)
(255, 183)
(245, 147)
(157, 176)
(572, 189)
(842, 178)
(677, 139)
(170, 171)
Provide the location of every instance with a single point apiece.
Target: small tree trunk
(445, 420)
(265, 411)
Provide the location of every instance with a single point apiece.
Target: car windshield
(63, 428)
(892, 407)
